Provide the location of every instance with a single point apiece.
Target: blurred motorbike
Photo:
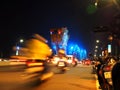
(74, 63)
(105, 73)
(62, 62)
(62, 66)
(94, 67)
(38, 69)
(36, 51)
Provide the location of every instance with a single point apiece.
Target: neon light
(109, 48)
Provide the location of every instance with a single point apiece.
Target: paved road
(78, 78)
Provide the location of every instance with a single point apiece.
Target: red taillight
(107, 68)
(34, 64)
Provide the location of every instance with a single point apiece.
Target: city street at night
(60, 45)
(77, 78)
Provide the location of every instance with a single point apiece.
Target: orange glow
(36, 49)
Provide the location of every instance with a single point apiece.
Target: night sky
(25, 17)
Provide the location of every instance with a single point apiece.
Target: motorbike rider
(116, 76)
(36, 47)
(62, 56)
(98, 71)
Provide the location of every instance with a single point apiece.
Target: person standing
(116, 76)
(99, 71)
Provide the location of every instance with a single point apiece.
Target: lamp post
(18, 46)
(96, 47)
(21, 40)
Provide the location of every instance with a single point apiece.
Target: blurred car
(86, 62)
(72, 61)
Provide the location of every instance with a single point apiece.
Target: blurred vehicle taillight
(34, 64)
(87, 62)
(107, 68)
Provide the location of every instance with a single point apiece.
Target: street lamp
(21, 40)
(96, 46)
(97, 41)
(96, 3)
(18, 46)
(96, 51)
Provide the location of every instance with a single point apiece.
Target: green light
(91, 9)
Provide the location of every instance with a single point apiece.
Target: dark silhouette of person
(99, 76)
(116, 76)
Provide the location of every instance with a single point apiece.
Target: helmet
(37, 49)
(61, 51)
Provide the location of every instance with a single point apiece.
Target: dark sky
(25, 17)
